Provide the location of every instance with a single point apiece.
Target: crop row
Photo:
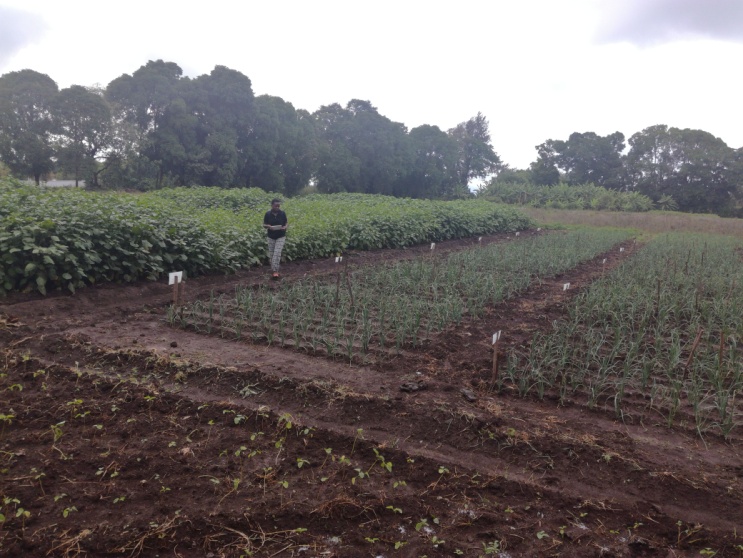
(666, 325)
(390, 307)
(53, 238)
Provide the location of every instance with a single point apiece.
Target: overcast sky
(537, 69)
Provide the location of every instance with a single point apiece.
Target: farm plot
(124, 436)
(365, 312)
(661, 333)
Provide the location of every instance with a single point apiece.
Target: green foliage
(51, 238)
(563, 196)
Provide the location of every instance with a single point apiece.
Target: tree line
(156, 128)
(685, 169)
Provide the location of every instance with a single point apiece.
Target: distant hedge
(563, 196)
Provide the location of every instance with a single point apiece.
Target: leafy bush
(563, 196)
(60, 238)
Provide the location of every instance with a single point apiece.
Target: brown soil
(129, 437)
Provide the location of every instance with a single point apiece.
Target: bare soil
(128, 437)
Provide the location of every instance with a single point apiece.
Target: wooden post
(693, 348)
(175, 278)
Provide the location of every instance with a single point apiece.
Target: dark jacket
(273, 219)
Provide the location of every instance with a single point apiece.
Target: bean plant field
(359, 406)
(66, 239)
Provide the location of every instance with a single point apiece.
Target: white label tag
(479, 239)
(338, 259)
(518, 233)
(621, 249)
(604, 261)
(433, 245)
(566, 286)
(496, 337)
(173, 275)
(539, 229)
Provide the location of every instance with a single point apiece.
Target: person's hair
(275, 200)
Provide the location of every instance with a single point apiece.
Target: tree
(544, 172)
(282, 147)
(695, 168)
(223, 105)
(477, 159)
(25, 122)
(433, 170)
(82, 122)
(142, 100)
(361, 150)
(585, 158)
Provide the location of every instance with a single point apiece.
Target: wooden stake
(693, 348)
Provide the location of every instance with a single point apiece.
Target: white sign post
(433, 245)
(566, 286)
(479, 239)
(517, 233)
(175, 278)
(338, 259)
(621, 249)
(496, 340)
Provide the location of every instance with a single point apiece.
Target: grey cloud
(17, 30)
(649, 22)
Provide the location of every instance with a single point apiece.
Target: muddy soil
(123, 436)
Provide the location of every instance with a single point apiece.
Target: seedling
(57, 430)
(301, 462)
(67, 511)
(491, 547)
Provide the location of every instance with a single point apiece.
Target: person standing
(275, 223)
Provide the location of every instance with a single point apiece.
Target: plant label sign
(604, 262)
(621, 249)
(517, 233)
(566, 286)
(479, 239)
(496, 337)
(539, 229)
(338, 259)
(433, 245)
(175, 277)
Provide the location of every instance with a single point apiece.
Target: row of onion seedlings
(663, 328)
(386, 308)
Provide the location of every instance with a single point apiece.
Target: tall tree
(26, 123)
(142, 100)
(694, 167)
(282, 147)
(361, 150)
(477, 159)
(433, 171)
(586, 157)
(223, 103)
(83, 126)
